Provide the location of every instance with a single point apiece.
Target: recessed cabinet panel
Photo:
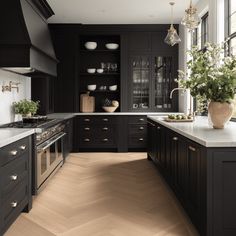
(139, 41)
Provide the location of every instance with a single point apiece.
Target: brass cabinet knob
(87, 140)
(87, 128)
(87, 120)
(105, 140)
(13, 152)
(141, 139)
(23, 147)
(175, 138)
(14, 204)
(141, 128)
(141, 119)
(105, 128)
(14, 177)
(105, 119)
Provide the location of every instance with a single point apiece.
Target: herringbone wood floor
(104, 194)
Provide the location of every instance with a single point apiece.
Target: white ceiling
(116, 11)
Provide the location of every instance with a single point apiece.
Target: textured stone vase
(220, 113)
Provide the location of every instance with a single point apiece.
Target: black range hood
(25, 41)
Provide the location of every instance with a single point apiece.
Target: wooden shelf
(99, 50)
(101, 91)
(100, 74)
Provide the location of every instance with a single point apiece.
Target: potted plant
(26, 108)
(212, 78)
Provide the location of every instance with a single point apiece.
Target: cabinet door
(179, 160)
(193, 176)
(161, 155)
(151, 142)
(140, 72)
(162, 79)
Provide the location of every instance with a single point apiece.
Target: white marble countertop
(71, 115)
(11, 135)
(200, 131)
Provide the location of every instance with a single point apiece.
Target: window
(200, 35)
(230, 31)
(231, 25)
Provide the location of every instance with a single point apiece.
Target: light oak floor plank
(105, 194)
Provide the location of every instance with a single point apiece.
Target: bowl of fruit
(179, 118)
(110, 106)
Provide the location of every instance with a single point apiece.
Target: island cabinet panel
(152, 137)
(224, 192)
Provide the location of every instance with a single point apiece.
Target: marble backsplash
(7, 98)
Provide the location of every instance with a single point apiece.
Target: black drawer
(137, 119)
(14, 204)
(102, 139)
(97, 120)
(13, 173)
(138, 129)
(138, 141)
(13, 151)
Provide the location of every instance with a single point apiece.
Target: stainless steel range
(47, 156)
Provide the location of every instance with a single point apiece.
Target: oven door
(49, 158)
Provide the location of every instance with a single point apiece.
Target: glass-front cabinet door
(140, 79)
(162, 82)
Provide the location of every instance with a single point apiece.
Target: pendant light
(191, 19)
(172, 37)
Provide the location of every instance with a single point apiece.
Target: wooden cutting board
(87, 103)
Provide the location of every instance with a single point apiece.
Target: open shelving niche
(93, 59)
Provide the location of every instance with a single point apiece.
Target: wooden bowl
(109, 109)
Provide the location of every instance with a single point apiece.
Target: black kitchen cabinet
(68, 138)
(15, 184)
(110, 133)
(203, 179)
(151, 144)
(143, 84)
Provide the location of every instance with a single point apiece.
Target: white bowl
(91, 45)
(92, 87)
(91, 70)
(100, 71)
(113, 88)
(112, 46)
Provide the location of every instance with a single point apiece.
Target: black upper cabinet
(139, 41)
(142, 86)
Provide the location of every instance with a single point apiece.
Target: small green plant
(25, 107)
(212, 75)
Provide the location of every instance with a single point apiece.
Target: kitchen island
(199, 164)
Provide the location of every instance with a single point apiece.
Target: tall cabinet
(152, 69)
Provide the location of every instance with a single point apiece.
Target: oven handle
(51, 141)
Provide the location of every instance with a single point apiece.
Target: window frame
(228, 36)
(204, 30)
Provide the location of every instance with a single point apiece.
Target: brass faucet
(191, 112)
(12, 85)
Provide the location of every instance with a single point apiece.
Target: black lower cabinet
(68, 138)
(203, 179)
(15, 181)
(110, 133)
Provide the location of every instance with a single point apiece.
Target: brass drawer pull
(13, 152)
(86, 128)
(87, 140)
(14, 204)
(105, 128)
(141, 139)
(192, 148)
(23, 147)
(175, 138)
(87, 120)
(105, 140)
(141, 119)
(158, 127)
(141, 128)
(105, 119)
(14, 177)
